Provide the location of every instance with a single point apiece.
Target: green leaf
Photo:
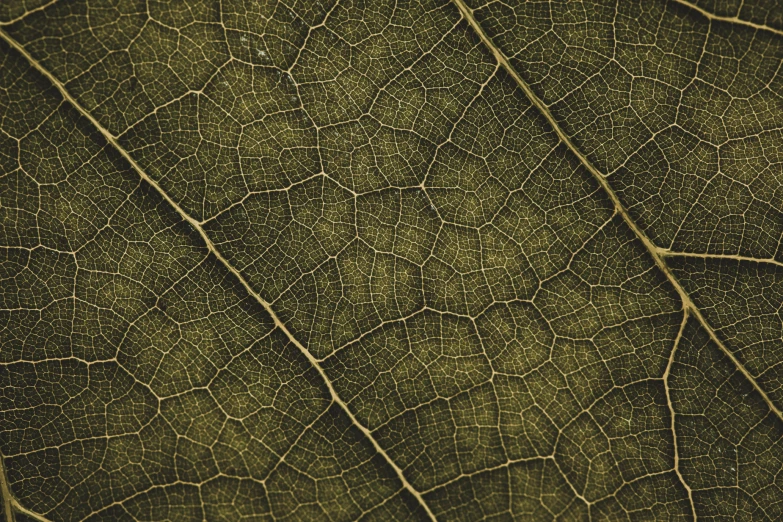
(391, 260)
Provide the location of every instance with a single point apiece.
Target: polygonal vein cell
(459, 275)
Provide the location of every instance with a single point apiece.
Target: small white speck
(243, 38)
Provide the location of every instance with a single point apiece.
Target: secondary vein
(729, 19)
(28, 13)
(653, 250)
(673, 414)
(110, 138)
(729, 257)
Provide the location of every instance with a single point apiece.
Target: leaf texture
(391, 260)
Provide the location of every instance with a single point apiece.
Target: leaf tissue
(391, 260)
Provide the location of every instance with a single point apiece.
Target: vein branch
(732, 257)
(28, 13)
(110, 138)
(652, 249)
(672, 413)
(729, 19)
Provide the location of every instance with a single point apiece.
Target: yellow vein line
(28, 13)
(688, 303)
(10, 504)
(197, 226)
(668, 253)
(6, 492)
(730, 19)
(671, 409)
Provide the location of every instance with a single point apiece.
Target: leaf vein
(652, 249)
(729, 19)
(111, 139)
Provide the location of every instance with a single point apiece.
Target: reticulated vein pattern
(391, 260)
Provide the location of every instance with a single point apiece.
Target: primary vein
(652, 249)
(10, 504)
(110, 138)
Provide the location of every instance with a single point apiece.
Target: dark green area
(461, 323)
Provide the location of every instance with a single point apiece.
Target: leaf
(391, 260)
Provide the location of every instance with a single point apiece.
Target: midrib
(111, 139)
(654, 251)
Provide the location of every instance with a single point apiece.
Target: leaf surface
(391, 260)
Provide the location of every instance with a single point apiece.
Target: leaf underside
(391, 260)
